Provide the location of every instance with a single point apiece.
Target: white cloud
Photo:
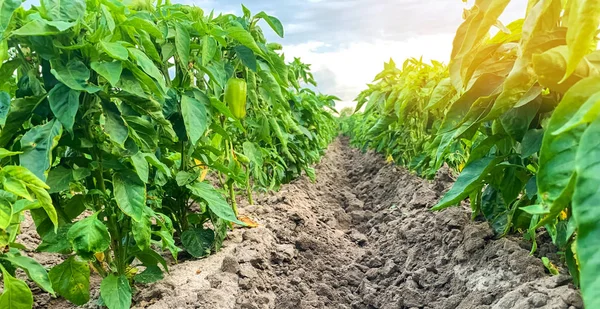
(345, 71)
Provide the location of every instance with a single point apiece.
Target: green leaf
(209, 48)
(582, 28)
(141, 166)
(71, 280)
(37, 145)
(151, 274)
(111, 71)
(20, 110)
(16, 187)
(7, 153)
(56, 242)
(115, 49)
(4, 106)
(587, 213)
(559, 151)
(116, 292)
(247, 56)
(270, 84)
(442, 94)
(89, 236)
(241, 35)
(198, 242)
(470, 179)
(182, 45)
(147, 66)
(532, 142)
(215, 201)
(6, 213)
(142, 233)
(273, 22)
(16, 294)
(145, 25)
(195, 117)
(130, 193)
(7, 8)
(60, 10)
(34, 271)
(114, 124)
(64, 103)
(75, 75)
(59, 179)
(37, 27)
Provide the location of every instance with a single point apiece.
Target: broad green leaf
(182, 44)
(270, 84)
(141, 166)
(587, 213)
(532, 142)
(16, 187)
(60, 10)
(582, 28)
(209, 48)
(273, 22)
(115, 49)
(114, 124)
(147, 66)
(130, 193)
(470, 179)
(198, 242)
(37, 145)
(20, 110)
(89, 236)
(7, 153)
(587, 113)
(71, 280)
(143, 132)
(145, 25)
(15, 294)
(34, 271)
(6, 213)
(116, 292)
(194, 117)
(111, 71)
(241, 35)
(142, 231)
(253, 153)
(442, 94)
(154, 161)
(7, 8)
(151, 274)
(558, 152)
(75, 75)
(64, 103)
(247, 56)
(215, 201)
(56, 242)
(37, 27)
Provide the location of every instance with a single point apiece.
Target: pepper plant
(516, 113)
(123, 140)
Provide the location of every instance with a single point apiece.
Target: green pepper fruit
(235, 97)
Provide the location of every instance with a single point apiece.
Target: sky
(347, 41)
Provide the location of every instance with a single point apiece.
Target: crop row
(128, 130)
(516, 112)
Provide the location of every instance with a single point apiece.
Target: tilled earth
(362, 236)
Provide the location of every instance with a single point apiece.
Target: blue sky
(347, 41)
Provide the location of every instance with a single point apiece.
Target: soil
(361, 236)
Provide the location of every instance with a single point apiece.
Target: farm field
(154, 154)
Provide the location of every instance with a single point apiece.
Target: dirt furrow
(361, 236)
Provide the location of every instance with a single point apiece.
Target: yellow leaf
(249, 222)
(584, 19)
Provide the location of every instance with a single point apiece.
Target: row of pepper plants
(516, 112)
(128, 130)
